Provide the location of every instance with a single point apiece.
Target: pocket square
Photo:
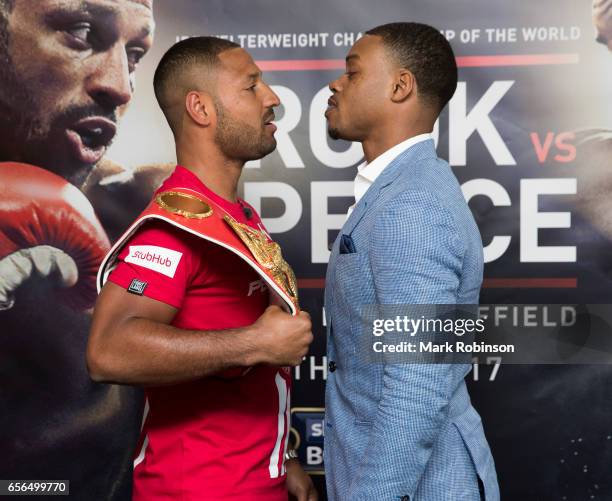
(346, 245)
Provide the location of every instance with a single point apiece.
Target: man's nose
(109, 83)
(272, 99)
(334, 85)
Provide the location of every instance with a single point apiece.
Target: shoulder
(593, 137)
(158, 242)
(416, 218)
(110, 177)
(119, 194)
(422, 205)
(163, 234)
(594, 143)
(428, 173)
(431, 185)
(414, 212)
(150, 177)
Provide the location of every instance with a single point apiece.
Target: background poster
(528, 134)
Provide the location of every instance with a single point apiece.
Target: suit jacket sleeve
(416, 258)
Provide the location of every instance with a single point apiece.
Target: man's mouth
(89, 138)
(331, 105)
(268, 123)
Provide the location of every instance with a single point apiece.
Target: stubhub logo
(159, 259)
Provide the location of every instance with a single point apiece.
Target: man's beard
(37, 137)
(17, 125)
(333, 133)
(239, 140)
(40, 140)
(24, 130)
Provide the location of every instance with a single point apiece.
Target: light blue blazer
(399, 431)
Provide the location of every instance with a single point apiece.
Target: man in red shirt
(191, 321)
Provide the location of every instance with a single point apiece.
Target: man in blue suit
(400, 431)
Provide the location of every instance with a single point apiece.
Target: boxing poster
(83, 146)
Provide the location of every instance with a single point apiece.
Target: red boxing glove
(37, 208)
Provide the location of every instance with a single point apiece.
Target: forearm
(144, 352)
(132, 341)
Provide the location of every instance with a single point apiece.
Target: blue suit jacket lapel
(403, 161)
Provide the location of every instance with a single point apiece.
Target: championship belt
(193, 212)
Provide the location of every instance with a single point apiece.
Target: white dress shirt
(368, 172)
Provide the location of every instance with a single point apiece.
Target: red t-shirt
(217, 438)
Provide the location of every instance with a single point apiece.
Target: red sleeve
(165, 258)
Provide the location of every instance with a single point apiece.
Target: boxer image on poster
(67, 76)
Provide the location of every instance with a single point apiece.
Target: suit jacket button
(405, 498)
(331, 366)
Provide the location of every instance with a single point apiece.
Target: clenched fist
(281, 338)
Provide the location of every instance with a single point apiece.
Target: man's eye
(134, 55)
(252, 87)
(80, 31)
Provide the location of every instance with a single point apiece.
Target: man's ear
(200, 107)
(403, 85)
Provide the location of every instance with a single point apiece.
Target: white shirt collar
(368, 172)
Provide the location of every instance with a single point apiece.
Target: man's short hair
(201, 52)
(425, 52)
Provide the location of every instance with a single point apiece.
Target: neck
(394, 129)
(376, 145)
(216, 171)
